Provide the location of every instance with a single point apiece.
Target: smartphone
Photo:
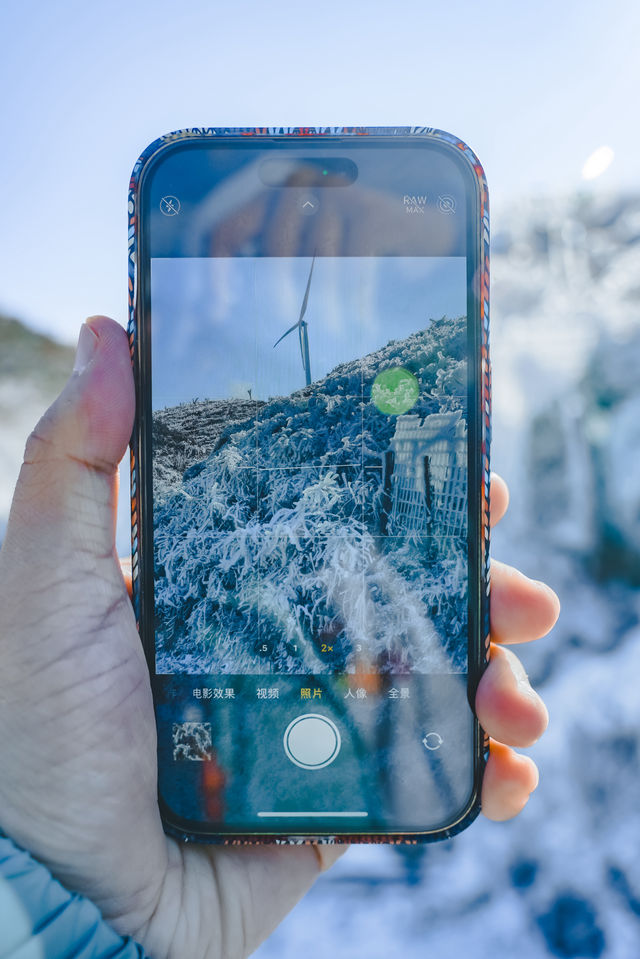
(310, 501)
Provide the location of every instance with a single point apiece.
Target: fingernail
(547, 589)
(534, 768)
(526, 689)
(524, 686)
(87, 342)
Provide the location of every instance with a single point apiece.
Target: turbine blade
(306, 292)
(290, 330)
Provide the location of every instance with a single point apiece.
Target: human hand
(509, 710)
(77, 733)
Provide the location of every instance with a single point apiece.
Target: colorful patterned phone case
(203, 134)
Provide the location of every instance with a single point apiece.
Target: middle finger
(522, 609)
(508, 709)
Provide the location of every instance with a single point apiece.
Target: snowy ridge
(186, 434)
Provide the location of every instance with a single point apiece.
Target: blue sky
(533, 88)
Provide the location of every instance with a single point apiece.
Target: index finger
(522, 609)
(499, 498)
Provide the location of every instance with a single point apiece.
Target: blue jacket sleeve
(40, 919)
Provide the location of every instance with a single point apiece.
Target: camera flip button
(312, 741)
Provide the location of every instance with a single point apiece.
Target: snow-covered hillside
(185, 435)
(275, 540)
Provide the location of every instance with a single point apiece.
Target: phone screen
(310, 342)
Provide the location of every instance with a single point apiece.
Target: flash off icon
(170, 205)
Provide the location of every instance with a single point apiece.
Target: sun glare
(597, 162)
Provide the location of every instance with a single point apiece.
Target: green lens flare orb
(395, 391)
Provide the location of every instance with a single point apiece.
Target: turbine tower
(301, 327)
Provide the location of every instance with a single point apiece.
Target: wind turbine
(301, 327)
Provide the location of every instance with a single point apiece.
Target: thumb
(66, 493)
